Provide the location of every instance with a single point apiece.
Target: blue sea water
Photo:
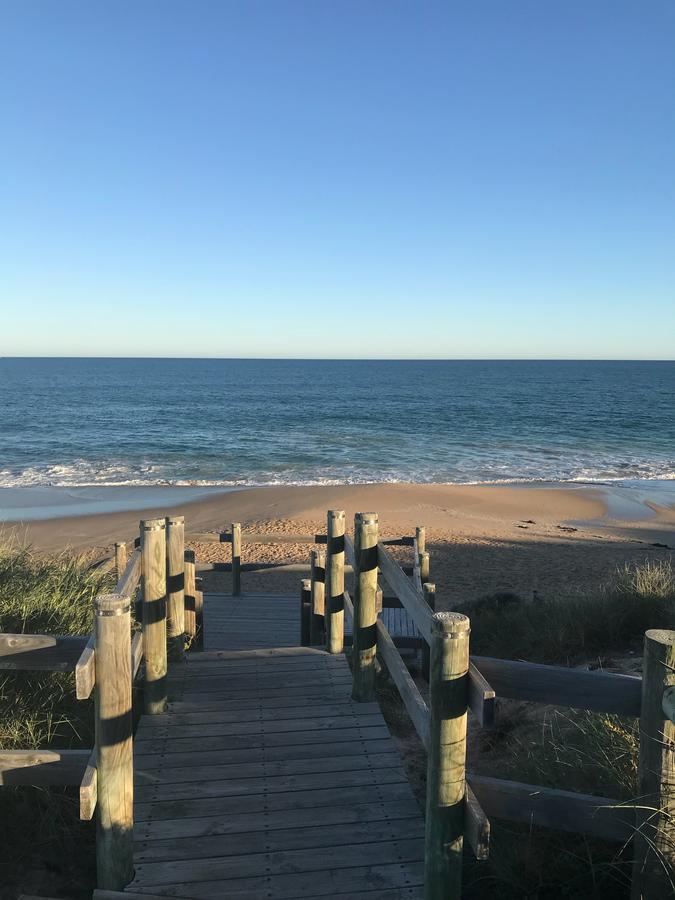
(208, 422)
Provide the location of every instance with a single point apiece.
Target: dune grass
(571, 749)
(45, 848)
(549, 630)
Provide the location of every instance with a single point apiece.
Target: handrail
(85, 667)
(410, 597)
(129, 579)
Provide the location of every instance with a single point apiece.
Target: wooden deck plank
(329, 882)
(235, 823)
(344, 855)
(265, 840)
(264, 779)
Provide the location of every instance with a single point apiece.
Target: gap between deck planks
(264, 779)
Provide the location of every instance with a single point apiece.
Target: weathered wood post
(236, 558)
(430, 597)
(190, 594)
(153, 585)
(305, 610)
(120, 558)
(335, 581)
(365, 607)
(654, 842)
(421, 537)
(446, 773)
(199, 612)
(425, 572)
(318, 577)
(114, 751)
(175, 582)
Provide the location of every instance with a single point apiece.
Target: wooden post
(120, 558)
(199, 616)
(153, 582)
(316, 622)
(379, 600)
(236, 558)
(114, 751)
(190, 592)
(421, 536)
(365, 607)
(424, 567)
(305, 610)
(175, 581)
(430, 597)
(446, 773)
(335, 581)
(654, 842)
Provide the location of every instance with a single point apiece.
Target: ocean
(230, 423)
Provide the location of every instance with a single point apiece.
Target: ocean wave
(87, 474)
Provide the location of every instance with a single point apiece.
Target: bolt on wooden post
(114, 751)
(654, 841)
(318, 577)
(175, 582)
(335, 581)
(446, 766)
(305, 610)
(153, 585)
(120, 558)
(190, 594)
(235, 529)
(365, 606)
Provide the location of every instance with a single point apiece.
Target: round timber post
(175, 582)
(316, 622)
(153, 581)
(305, 610)
(654, 841)
(114, 751)
(120, 558)
(446, 766)
(235, 529)
(335, 581)
(190, 594)
(365, 607)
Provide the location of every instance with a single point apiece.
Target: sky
(337, 178)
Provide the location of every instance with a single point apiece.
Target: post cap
(153, 524)
(367, 518)
(306, 584)
(450, 623)
(189, 556)
(112, 604)
(336, 513)
(175, 520)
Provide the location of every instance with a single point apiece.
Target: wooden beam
(413, 701)
(42, 768)
(561, 686)
(225, 537)
(476, 826)
(482, 696)
(128, 581)
(40, 652)
(85, 670)
(412, 599)
(136, 653)
(89, 789)
(552, 808)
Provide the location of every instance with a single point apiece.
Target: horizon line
(359, 358)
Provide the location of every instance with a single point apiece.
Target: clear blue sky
(365, 178)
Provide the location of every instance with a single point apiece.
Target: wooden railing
(106, 663)
(459, 803)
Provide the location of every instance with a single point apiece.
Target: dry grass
(45, 848)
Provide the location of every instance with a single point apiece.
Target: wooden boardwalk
(264, 780)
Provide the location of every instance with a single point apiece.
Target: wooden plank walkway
(264, 780)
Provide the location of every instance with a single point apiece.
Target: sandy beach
(483, 538)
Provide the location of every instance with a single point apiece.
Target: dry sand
(482, 538)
